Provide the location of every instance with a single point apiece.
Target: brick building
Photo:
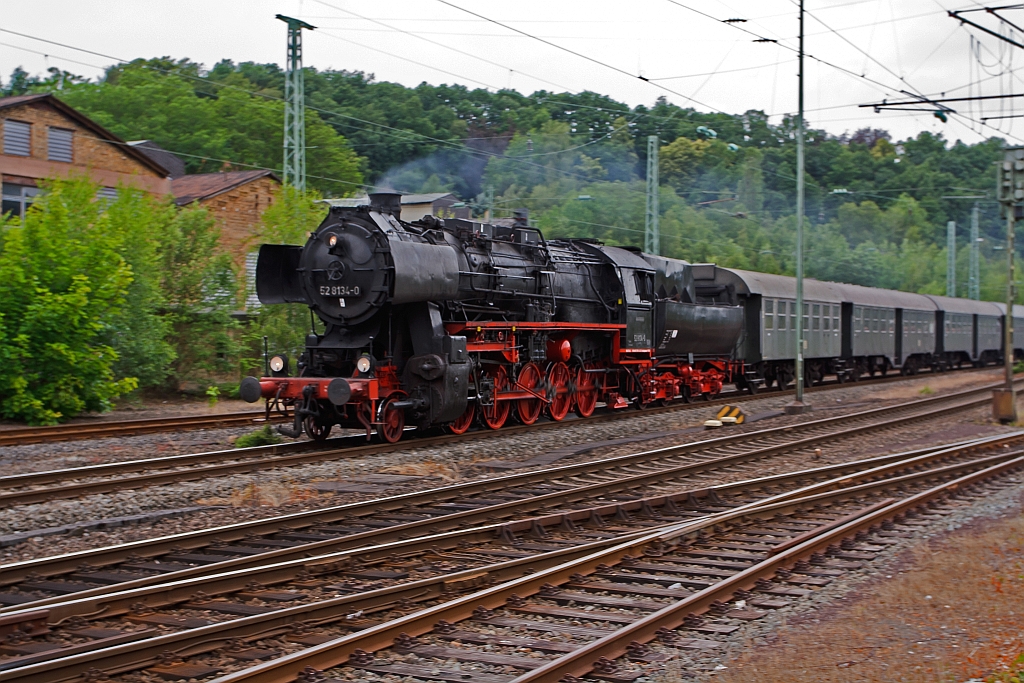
(235, 199)
(43, 138)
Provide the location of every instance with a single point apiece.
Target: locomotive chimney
(387, 202)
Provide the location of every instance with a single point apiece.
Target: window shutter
(252, 302)
(59, 143)
(108, 194)
(17, 138)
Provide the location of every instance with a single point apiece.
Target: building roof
(83, 120)
(200, 186)
(173, 163)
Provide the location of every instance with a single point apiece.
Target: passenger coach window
(835, 317)
(782, 316)
(816, 322)
(792, 315)
(769, 309)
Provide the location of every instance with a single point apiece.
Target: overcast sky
(883, 45)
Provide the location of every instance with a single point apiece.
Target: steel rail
(581, 661)
(166, 589)
(48, 566)
(26, 496)
(19, 436)
(291, 454)
(134, 655)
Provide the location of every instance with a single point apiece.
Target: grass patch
(272, 494)
(261, 437)
(926, 391)
(1015, 674)
(427, 468)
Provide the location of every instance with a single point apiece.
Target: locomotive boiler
(453, 322)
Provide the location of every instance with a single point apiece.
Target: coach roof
(775, 286)
(883, 298)
(969, 306)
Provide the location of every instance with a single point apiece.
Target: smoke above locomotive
(455, 322)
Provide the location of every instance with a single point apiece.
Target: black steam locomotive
(446, 322)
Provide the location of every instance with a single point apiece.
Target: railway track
(61, 484)
(589, 576)
(18, 436)
(612, 481)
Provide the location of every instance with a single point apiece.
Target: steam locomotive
(449, 322)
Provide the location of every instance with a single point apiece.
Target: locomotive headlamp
(363, 364)
(332, 240)
(277, 363)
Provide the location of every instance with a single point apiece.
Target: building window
(17, 198)
(17, 138)
(59, 145)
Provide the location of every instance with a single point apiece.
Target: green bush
(64, 284)
(262, 437)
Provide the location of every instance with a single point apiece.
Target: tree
(288, 220)
(200, 295)
(213, 128)
(64, 283)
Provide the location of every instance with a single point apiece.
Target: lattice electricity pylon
(951, 258)
(294, 107)
(973, 273)
(652, 237)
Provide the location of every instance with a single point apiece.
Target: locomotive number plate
(339, 290)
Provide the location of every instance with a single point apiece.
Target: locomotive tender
(448, 322)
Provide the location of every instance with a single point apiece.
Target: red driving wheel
(497, 412)
(561, 399)
(587, 392)
(530, 379)
(463, 422)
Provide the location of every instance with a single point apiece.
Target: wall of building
(105, 162)
(238, 214)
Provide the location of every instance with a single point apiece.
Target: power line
(581, 55)
(434, 42)
(411, 61)
(391, 130)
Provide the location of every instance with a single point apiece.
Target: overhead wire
(813, 57)
(400, 133)
(580, 55)
(411, 61)
(443, 45)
